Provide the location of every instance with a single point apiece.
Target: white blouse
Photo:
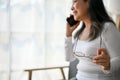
(110, 38)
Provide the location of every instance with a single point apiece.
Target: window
(31, 36)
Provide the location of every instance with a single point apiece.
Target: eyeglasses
(81, 54)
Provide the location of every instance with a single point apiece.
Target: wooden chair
(30, 71)
(72, 70)
(118, 22)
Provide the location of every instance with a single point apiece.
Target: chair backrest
(73, 69)
(118, 22)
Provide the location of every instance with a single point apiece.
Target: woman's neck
(87, 22)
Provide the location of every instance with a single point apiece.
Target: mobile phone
(71, 21)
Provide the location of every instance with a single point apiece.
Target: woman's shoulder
(110, 30)
(109, 26)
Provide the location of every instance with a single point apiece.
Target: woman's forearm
(69, 49)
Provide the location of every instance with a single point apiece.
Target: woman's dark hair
(98, 16)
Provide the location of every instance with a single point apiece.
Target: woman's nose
(72, 8)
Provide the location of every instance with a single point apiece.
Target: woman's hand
(70, 29)
(102, 59)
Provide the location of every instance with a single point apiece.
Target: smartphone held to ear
(71, 21)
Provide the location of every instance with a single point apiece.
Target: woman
(96, 45)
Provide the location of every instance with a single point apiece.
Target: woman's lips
(75, 12)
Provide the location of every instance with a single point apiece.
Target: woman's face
(80, 9)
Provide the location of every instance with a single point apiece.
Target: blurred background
(32, 36)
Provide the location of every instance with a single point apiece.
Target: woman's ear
(87, 3)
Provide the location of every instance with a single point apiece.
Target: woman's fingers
(98, 57)
(102, 51)
(70, 29)
(102, 58)
(101, 54)
(75, 26)
(101, 62)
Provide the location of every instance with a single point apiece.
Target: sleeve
(69, 49)
(111, 37)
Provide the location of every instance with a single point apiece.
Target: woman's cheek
(78, 16)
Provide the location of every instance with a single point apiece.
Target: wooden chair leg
(29, 75)
(62, 72)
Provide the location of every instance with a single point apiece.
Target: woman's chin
(76, 18)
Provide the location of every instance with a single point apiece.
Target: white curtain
(31, 36)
